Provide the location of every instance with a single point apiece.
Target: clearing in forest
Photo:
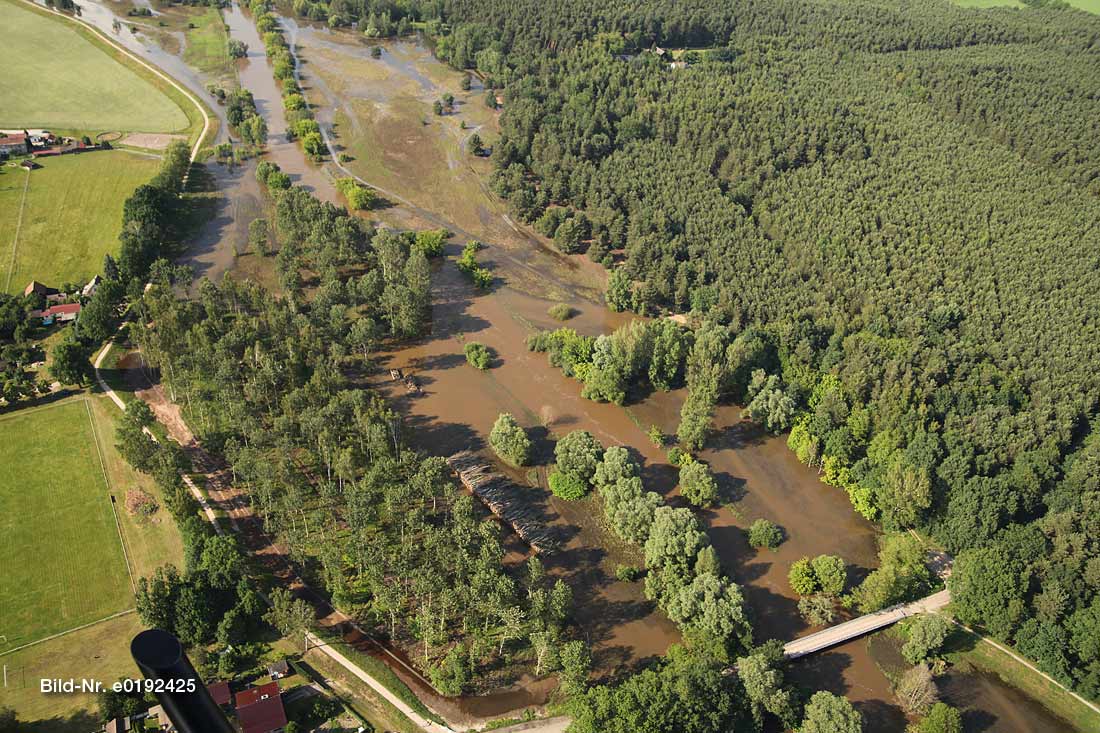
(1090, 6)
(70, 216)
(85, 88)
(62, 563)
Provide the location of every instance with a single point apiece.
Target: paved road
(864, 625)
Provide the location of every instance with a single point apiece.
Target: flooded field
(988, 705)
(378, 112)
(256, 76)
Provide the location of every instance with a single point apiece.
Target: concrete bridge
(863, 625)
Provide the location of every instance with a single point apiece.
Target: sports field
(69, 217)
(61, 558)
(83, 88)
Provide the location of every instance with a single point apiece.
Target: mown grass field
(61, 559)
(83, 88)
(71, 216)
(100, 652)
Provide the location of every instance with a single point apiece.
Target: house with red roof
(219, 691)
(15, 144)
(260, 709)
(57, 313)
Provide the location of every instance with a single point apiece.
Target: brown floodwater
(235, 201)
(458, 405)
(991, 706)
(256, 76)
(988, 705)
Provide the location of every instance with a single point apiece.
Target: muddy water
(459, 405)
(988, 705)
(103, 16)
(761, 478)
(255, 75)
(991, 706)
(456, 410)
(237, 201)
(754, 468)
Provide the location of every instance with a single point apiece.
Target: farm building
(163, 723)
(15, 144)
(89, 290)
(41, 138)
(278, 670)
(220, 693)
(36, 288)
(57, 314)
(260, 709)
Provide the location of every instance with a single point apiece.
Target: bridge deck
(863, 625)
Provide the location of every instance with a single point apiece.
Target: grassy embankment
(68, 213)
(208, 47)
(967, 648)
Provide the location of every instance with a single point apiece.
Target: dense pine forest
(887, 216)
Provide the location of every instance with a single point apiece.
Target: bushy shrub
(509, 440)
(697, 484)
(278, 181)
(763, 533)
(578, 454)
(431, 241)
(478, 355)
(359, 197)
(567, 487)
(561, 312)
(677, 456)
(467, 263)
(627, 573)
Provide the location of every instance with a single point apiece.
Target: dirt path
(224, 499)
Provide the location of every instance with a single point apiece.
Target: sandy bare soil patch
(149, 140)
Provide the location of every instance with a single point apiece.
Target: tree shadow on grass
(78, 721)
